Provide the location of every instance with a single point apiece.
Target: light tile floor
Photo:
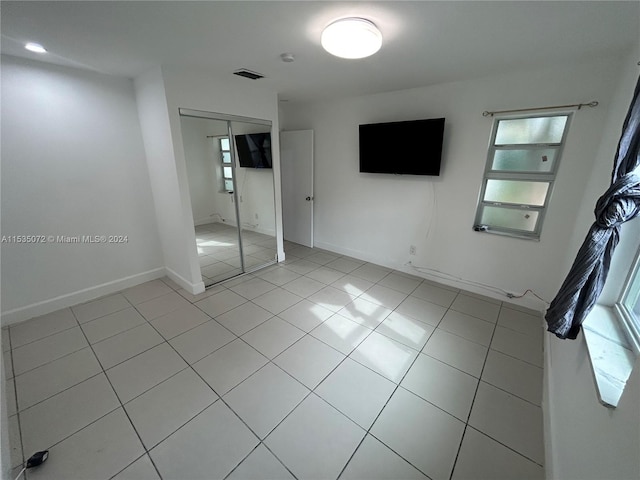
(323, 367)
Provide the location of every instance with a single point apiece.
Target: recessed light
(351, 38)
(35, 47)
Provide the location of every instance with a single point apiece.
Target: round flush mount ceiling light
(35, 47)
(351, 38)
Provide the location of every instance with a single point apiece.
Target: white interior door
(296, 160)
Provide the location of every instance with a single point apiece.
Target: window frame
(527, 176)
(629, 321)
(224, 164)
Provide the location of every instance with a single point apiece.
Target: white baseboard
(213, 218)
(80, 296)
(258, 229)
(452, 282)
(218, 219)
(355, 254)
(193, 288)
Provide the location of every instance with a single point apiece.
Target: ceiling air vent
(243, 72)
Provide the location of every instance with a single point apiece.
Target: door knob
(308, 199)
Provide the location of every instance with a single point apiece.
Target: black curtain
(620, 203)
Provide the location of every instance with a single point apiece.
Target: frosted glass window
(226, 157)
(509, 218)
(227, 172)
(228, 185)
(515, 191)
(534, 130)
(224, 144)
(522, 163)
(529, 160)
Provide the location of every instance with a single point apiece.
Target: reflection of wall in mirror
(204, 172)
(255, 186)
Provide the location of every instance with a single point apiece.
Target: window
(227, 171)
(521, 168)
(628, 308)
(613, 338)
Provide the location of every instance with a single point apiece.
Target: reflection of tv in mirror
(254, 150)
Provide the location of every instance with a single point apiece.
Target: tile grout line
(398, 385)
(219, 398)
(313, 390)
(15, 388)
(41, 338)
(272, 361)
(52, 360)
(368, 431)
(63, 390)
(15, 395)
(121, 406)
(466, 423)
(506, 446)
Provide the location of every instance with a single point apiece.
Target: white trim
(357, 254)
(193, 288)
(547, 414)
(74, 298)
(213, 218)
(626, 318)
(609, 352)
(628, 326)
(265, 231)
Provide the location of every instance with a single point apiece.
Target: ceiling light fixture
(35, 47)
(351, 38)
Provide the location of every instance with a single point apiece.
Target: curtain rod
(554, 107)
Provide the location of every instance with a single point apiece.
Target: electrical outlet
(412, 249)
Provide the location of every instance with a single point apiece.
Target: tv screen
(254, 150)
(404, 148)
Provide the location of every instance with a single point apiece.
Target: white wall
(255, 186)
(377, 217)
(587, 440)
(175, 224)
(73, 163)
(256, 189)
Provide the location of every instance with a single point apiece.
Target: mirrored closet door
(229, 168)
(256, 195)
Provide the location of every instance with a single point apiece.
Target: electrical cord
(21, 472)
(500, 291)
(528, 290)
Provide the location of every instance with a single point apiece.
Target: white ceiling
(424, 42)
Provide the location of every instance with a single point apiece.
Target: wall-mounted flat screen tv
(254, 150)
(412, 147)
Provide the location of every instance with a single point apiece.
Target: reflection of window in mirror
(227, 171)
